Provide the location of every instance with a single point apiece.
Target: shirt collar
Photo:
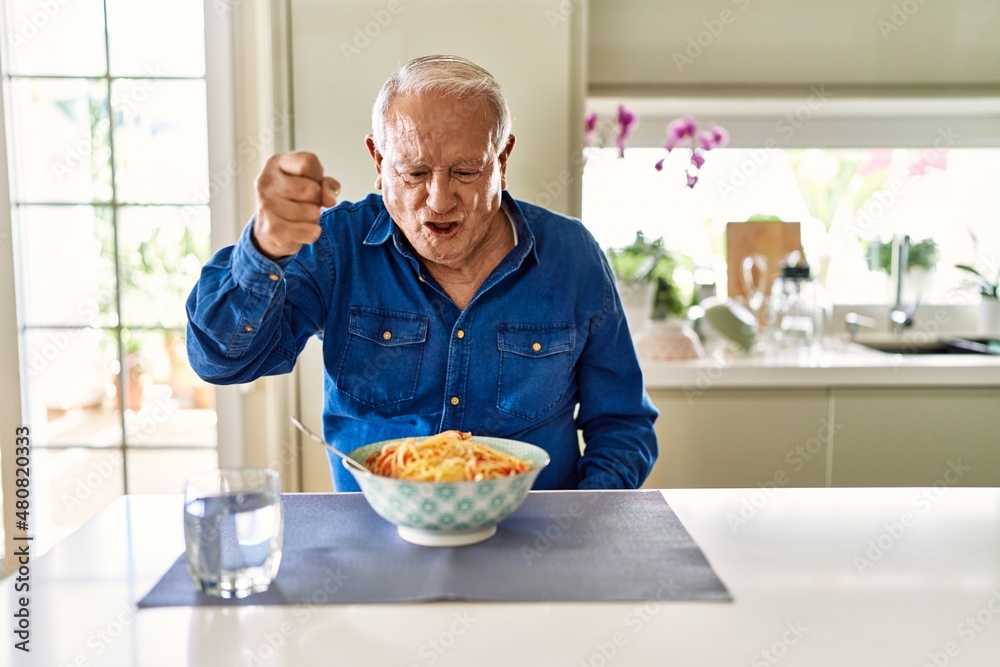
(383, 228)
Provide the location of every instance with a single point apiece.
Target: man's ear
(504, 154)
(377, 157)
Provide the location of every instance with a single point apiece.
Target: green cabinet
(885, 436)
(741, 438)
(916, 437)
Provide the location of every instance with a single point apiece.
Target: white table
(838, 577)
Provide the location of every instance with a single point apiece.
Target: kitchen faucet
(899, 317)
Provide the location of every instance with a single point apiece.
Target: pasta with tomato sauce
(451, 456)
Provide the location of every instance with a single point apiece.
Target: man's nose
(441, 192)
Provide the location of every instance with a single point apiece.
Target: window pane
(60, 150)
(161, 141)
(41, 34)
(847, 201)
(162, 252)
(156, 38)
(166, 403)
(70, 486)
(164, 470)
(72, 282)
(72, 387)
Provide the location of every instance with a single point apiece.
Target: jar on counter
(668, 340)
(796, 307)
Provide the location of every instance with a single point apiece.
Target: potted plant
(922, 255)
(989, 290)
(921, 258)
(644, 271)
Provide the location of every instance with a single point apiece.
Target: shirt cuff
(252, 269)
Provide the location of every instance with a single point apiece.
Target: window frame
(222, 39)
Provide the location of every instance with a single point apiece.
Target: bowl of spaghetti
(450, 489)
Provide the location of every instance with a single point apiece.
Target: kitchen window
(107, 145)
(852, 172)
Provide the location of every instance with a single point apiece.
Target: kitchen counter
(842, 364)
(846, 416)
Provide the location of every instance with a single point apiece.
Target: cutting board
(772, 240)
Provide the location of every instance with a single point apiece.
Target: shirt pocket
(381, 360)
(536, 366)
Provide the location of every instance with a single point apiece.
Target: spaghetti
(451, 456)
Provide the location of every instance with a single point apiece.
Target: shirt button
(248, 328)
(460, 333)
(386, 335)
(454, 400)
(274, 277)
(537, 347)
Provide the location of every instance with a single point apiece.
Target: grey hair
(447, 76)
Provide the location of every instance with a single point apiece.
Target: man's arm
(257, 302)
(250, 316)
(615, 414)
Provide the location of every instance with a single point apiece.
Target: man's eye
(417, 174)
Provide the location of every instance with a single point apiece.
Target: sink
(925, 344)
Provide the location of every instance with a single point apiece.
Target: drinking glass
(233, 530)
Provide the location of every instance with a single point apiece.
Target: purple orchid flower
(684, 132)
(680, 130)
(626, 123)
(714, 137)
(697, 158)
(589, 128)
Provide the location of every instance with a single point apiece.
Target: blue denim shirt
(541, 350)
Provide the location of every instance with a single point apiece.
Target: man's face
(440, 176)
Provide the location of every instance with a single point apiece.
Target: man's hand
(291, 192)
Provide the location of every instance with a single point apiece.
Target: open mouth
(442, 228)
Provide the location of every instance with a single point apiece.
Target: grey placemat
(569, 546)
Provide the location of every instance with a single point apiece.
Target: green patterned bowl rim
(538, 457)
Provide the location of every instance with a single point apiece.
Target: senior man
(443, 303)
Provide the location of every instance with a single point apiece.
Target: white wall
(919, 45)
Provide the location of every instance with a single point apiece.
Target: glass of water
(232, 530)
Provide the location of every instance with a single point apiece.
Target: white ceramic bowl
(449, 513)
